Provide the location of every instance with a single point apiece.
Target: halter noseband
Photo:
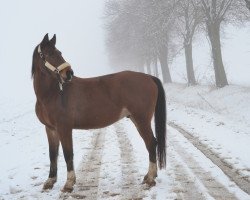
(54, 69)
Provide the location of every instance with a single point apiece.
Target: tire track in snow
(208, 186)
(87, 175)
(186, 186)
(132, 187)
(110, 172)
(241, 182)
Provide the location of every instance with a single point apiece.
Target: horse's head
(53, 60)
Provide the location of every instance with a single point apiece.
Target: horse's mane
(33, 68)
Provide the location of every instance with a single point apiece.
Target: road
(194, 171)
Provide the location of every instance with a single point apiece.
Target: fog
(80, 37)
(235, 53)
(79, 26)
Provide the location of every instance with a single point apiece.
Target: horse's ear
(45, 39)
(53, 40)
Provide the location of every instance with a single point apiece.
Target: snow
(219, 118)
(24, 153)
(110, 172)
(208, 166)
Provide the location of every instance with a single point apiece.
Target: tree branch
(247, 4)
(224, 10)
(206, 9)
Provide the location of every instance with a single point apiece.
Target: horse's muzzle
(69, 75)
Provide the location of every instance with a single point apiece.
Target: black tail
(160, 124)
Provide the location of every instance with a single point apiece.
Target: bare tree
(139, 31)
(158, 29)
(121, 38)
(189, 15)
(216, 12)
(156, 19)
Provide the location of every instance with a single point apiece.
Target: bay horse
(66, 102)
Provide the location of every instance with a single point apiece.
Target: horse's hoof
(67, 189)
(48, 185)
(149, 181)
(146, 177)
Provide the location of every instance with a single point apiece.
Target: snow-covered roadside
(208, 176)
(220, 118)
(24, 153)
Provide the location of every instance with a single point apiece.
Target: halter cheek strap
(54, 69)
(50, 66)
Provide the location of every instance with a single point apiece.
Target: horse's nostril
(72, 73)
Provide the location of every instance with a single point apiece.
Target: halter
(54, 69)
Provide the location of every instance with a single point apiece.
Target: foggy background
(158, 36)
(235, 54)
(80, 37)
(80, 30)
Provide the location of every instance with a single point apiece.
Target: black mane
(33, 68)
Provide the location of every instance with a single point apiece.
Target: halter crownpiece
(50, 66)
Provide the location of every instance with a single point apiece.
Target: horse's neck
(46, 88)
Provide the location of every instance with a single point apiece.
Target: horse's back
(133, 90)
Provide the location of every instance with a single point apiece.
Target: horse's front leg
(53, 141)
(67, 145)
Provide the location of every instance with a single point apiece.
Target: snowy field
(111, 162)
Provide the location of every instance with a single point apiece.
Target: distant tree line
(141, 33)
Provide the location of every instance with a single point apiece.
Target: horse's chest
(43, 115)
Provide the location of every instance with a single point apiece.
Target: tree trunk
(156, 68)
(163, 58)
(189, 63)
(214, 37)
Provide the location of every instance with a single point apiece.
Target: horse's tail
(160, 124)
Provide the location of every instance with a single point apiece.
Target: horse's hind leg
(67, 145)
(144, 128)
(53, 141)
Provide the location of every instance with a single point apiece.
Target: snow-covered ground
(24, 152)
(220, 118)
(111, 162)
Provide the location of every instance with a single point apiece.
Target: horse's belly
(100, 119)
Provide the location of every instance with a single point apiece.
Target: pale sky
(78, 25)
